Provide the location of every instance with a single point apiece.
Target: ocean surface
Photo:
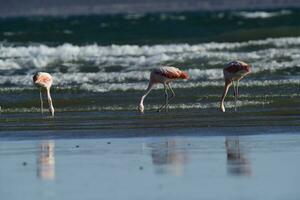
(101, 66)
(99, 147)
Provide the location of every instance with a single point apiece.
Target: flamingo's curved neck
(147, 92)
(227, 85)
(141, 105)
(142, 100)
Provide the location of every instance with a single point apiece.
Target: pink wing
(235, 66)
(43, 79)
(173, 73)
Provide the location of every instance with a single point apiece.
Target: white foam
(106, 87)
(165, 16)
(137, 80)
(131, 107)
(136, 62)
(263, 14)
(134, 16)
(9, 64)
(133, 57)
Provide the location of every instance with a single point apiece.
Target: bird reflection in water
(237, 162)
(168, 157)
(46, 161)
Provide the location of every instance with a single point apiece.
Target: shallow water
(175, 119)
(98, 69)
(99, 146)
(169, 167)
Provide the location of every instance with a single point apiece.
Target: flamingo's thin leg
(166, 99)
(172, 96)
(51, 108)
(173, 93)
(237, 89)
(41, 99)
(235, 94)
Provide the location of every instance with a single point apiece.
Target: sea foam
(137, 57)
(128, 67)
(262, 14)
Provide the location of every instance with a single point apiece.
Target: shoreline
(146, 133)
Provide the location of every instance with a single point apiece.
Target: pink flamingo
(163, 75)
(234, 72)
(44, 80)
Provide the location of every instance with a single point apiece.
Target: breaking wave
(134, 56)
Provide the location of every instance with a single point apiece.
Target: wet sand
(123, 122)
(204, 163)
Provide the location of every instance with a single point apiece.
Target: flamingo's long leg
(237, 89)
(235, 85)
(41, 99)
(166, 99)
(172, 97)
(51, 108)
(173, 93)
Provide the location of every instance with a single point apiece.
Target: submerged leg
(41, 99)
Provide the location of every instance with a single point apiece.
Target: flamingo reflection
(168, 157)
(237, 161)
(46, 161)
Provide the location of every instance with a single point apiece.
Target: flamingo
(44, 80)
(234, 72)
(164, 75)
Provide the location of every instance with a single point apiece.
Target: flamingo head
(141, 108)
(184, 75)
(35, 78)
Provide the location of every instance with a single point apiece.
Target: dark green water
(164, 28)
